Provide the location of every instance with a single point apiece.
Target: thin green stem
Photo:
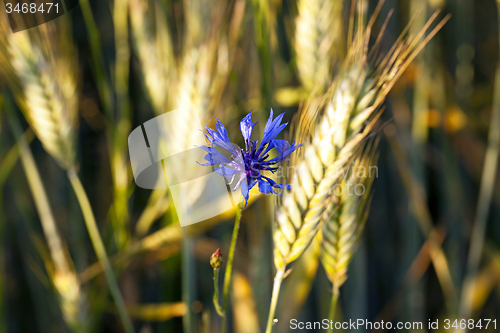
(99, 248)
(229, 266)
(97, 63)
(121, 128)
(274, 299)
(218, 308)
(333, 308)
(189, 321)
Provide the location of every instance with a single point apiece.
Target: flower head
(246, 166)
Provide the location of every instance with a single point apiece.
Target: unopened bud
(216, 259)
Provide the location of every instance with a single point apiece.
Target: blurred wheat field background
(83, 249)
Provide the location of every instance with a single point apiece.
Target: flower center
(252, 167)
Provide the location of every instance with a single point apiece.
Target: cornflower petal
(246, 127)
(284, 156)
(272, 129)
(245, 191)
(265, 187)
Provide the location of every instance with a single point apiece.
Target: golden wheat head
(333, 128)
(346, 215)
(42, 73)
(318, 41)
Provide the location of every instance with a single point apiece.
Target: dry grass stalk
(318, 41)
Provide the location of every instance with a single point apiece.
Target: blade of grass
(97, 63)
(262, 31)
(422, 214)
(12, 156)
(99, 248)
(229, 266)
(188, 282)
(484, 200)
(64, 279)
(415, 272)
(120, 130)
(419, 136)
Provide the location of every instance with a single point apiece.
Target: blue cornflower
(246, 166)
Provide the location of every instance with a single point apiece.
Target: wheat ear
(318, 41)
(153, 45)
(347, 213)
(345, 218)
(346, 115)
(44, 86)
(198, 77)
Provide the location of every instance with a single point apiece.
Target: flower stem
(333, 308)
(274, 299)
(99, 248)
(229, 267)
(218, 308)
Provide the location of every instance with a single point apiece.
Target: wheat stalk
(42, 76)
(318, 41)
(30, 76)
(60, 268)
(333, 128)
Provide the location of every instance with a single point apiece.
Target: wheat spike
(318, 41)
(346, 216)
(198, 75)
(345, 115)
(211, 41)
(43, 81)
(153, 45)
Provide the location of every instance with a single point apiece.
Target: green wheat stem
(97, 63)
(333, 308)
(218, 308)
(278, 279)
(99, 248)
(229, 266)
